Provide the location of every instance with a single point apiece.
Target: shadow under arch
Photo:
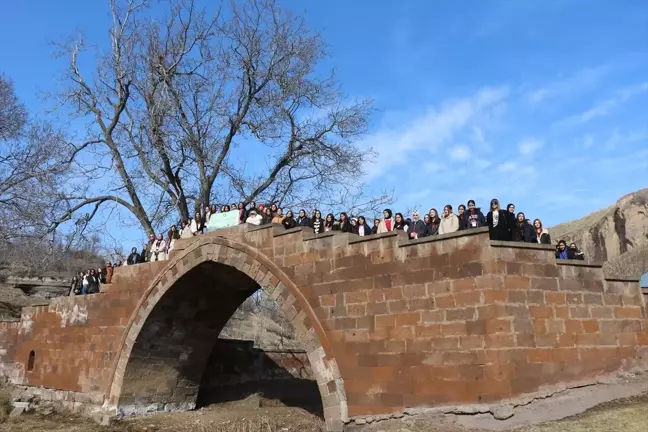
(172, 331)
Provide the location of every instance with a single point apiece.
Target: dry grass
(5, 404)
(626, 416)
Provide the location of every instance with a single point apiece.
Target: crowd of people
(503, 223)
(90, 281)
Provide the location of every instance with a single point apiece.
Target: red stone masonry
(388, 323)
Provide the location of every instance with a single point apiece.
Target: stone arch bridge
(388, 323)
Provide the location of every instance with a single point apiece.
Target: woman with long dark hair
(399, 223)
(376, 226)
(433, 222)
(172, 236)
(317, 223)
(242, 212)
(498, 222)
(362, 228)
(303, 219)
(329, 222)
(267, 216)
(541, 234)
(345, 223)
(197, 224)
(289, 221)
(510, 220)
(523, 231)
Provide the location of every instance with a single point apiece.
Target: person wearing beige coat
(387, 223)
(449, 221)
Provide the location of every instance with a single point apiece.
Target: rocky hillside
(617, 235)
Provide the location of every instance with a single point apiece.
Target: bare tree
(203, 107)
(13, 115)
(34, 161)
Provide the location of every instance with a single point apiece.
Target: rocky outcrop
(612, 234)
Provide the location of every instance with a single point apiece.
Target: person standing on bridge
(242, 212)
(329, 222)
(344, 224)
(147, 249)
(523, 231)
(362, 229)
(109, 272)
(317, 223)
(510, 220)
(302, 219)
(473, 218)
(449, 221)
(387, 224)
(173, 235)
(461, 213)
(541, 234)
(289, 221)
(197, 224)
(254, 218)
(133, 258)
(277, 216)
(417, 227)
(498, 222)
(159, 249)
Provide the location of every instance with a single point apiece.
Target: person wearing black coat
(330, 223)
(344, 225)
(541, 235)
(563, 252)
(498, 222)
(374, 229)
(473, 217)
(362, 228)
(578, 255)
(523, 230)
(461, 214)
(289, 221)
(317, 223)
(433, 222)
(133, 258)
(302, 219)
(417, 227)
(510, 213)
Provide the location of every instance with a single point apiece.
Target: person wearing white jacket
(254, 218)
(158, 251)
(449, 221)
(197, 225)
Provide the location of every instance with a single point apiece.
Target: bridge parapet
(398, 323)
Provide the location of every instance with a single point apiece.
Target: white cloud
(460, 153)
(604, 107)
(598, 110)
(432, 167)
(529, 146)
(578, 81)
(427, 132)
(587, 141)
(507, 167)
(482, 164)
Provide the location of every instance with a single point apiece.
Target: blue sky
(541, 103)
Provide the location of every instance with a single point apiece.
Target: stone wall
(388, 323)
(236, 369)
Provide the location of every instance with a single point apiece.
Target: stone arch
(218, 255)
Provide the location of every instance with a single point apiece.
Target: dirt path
(630, 415)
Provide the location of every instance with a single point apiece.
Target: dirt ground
(252, 415)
